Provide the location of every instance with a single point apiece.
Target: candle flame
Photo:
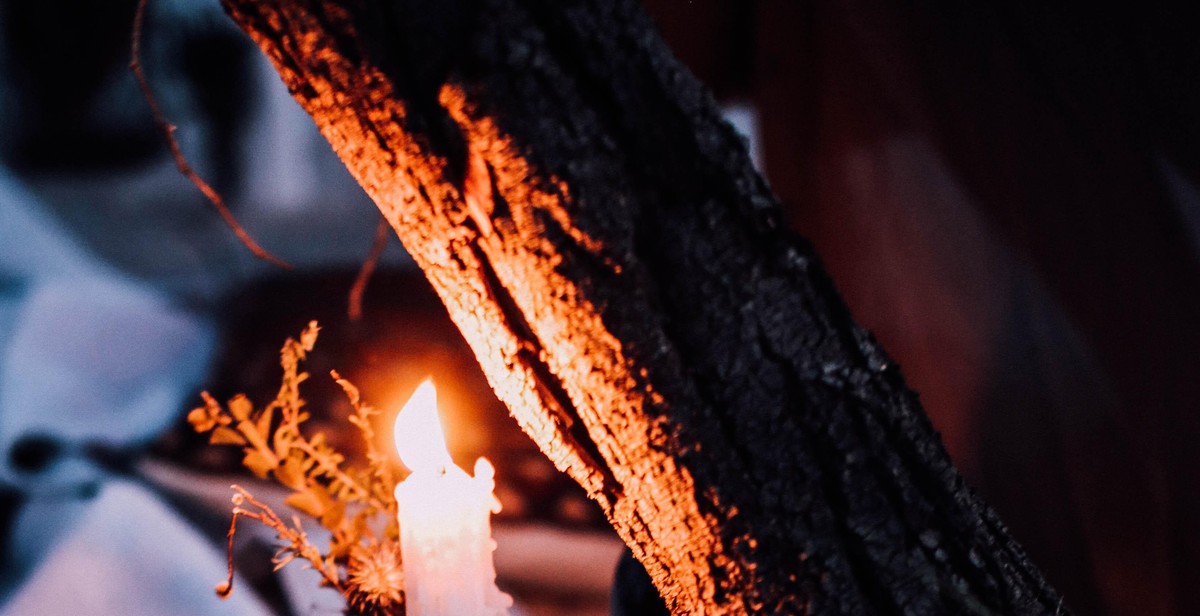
(420, 440)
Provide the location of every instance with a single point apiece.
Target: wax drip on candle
(444, 515)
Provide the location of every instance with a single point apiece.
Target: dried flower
(374, 577)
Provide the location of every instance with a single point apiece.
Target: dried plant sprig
(380, 466)
(296, 541)
(354, 503)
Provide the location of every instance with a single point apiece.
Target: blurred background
(1007, 195)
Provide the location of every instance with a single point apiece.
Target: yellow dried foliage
(355, 504)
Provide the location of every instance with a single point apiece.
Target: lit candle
(445, 529)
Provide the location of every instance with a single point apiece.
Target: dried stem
(382, 232)
(226, 587)
(296, 538)
(168, 132)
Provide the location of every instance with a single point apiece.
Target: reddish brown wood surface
(622, 274)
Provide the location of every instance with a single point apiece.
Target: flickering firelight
(446, 540)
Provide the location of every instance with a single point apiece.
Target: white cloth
(130, 554)
(89, 359)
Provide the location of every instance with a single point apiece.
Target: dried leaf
(263, 424)
(226, 436)
(308, 502)
(322, 493)
(258, 463)
(205, 418)
(332, 518)
(240, 407)
(257, 442)
(201, 420)
(291, 474)
(283, 440)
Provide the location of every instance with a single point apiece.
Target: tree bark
(625, 279)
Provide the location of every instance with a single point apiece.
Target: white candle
(445, 529)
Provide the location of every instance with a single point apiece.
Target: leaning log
(625, 279)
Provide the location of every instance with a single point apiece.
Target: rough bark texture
(623, 276)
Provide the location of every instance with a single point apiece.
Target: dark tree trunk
(625, 279)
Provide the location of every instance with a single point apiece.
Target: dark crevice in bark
(855, 557)
(849, 545)
(500, 207)
(556, 398)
